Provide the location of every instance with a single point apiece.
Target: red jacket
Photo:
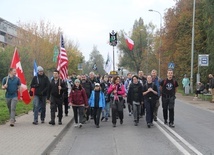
(78, 97)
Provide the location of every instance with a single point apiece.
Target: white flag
(108, 64)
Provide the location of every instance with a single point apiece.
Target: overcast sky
(86, 22)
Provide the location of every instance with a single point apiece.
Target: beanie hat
(39, 68)
(77, 81)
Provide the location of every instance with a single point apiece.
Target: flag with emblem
(108, 64)
(16, 63)
(62, 64)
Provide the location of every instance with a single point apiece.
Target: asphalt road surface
(193, 134)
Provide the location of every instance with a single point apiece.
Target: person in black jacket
(41, 84)
(150, 96)
(134, 97)
(87, 85)
(55, 97)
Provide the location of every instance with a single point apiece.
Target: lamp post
(160, 39)
(192, 46)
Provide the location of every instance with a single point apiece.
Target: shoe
(155, 119)
(80, 125)
(121, 122)
(130, 114)
(102, 118)
(52, 123)
(60, 123)
(42, 121)
(76, 125)
(114, 125)
(152, 124)
(66, 115)
(149, 125)
(97, 126)
(35, 123)
(12, 124)
(136, 124)
(171, 125)
(165, 122)
(106, 119)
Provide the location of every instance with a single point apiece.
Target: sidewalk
(26, 138)
(196, 102)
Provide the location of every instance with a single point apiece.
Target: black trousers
(168, 104)
(97, 113)
(117, 110)
(56, 105)
(78, 111)
(149, 105)
(65, 105)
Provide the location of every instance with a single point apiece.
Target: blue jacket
(102, 102)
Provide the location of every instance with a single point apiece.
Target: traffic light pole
(113, 60)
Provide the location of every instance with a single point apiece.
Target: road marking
(180, 148)
(179, 137)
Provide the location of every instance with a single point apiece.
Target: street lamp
(160, 39)
(192, 47)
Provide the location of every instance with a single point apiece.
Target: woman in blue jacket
(97, 102)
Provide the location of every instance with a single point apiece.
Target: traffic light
(113, 38)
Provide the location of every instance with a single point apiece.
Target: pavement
(26, 138)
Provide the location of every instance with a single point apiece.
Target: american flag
(62, 63)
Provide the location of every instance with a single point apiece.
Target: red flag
(15, 63)
(62, 62)
(129, 42)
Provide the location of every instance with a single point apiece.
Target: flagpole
(59, 59)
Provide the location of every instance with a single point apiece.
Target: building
(8, 33)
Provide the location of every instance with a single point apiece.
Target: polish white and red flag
(62, 62)
(23, 94)
(129, 42)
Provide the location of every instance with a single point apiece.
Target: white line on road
(179, 137)
(180, 148)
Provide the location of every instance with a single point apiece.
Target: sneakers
(97, 126)
(165, 122)
(172, 125)
(52, 123)
(60, 123)
(12, 124)
(80, 125)
(121, 122)
(130, 114)
(76, 125)
(42, 121)
(102, 118)
(148, 125)
(114, 125)
(35, 123)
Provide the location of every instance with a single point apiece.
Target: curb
(55, 141)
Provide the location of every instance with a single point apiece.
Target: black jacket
(41, 84)
(53, 89)
(135, 93)
(88, 88)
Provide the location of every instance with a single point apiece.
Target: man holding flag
(41, 83)
(11, 84)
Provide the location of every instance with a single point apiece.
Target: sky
(86, 22)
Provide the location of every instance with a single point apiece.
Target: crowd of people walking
(97, 98)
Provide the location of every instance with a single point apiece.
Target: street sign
(171, 65)
(203, 60)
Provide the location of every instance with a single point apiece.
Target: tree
(95, 58)
(136, 60)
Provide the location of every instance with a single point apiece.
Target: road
(193, 134)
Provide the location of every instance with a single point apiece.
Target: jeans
(39, 105)
(11, 104)
(149, 105)
(106, 111)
